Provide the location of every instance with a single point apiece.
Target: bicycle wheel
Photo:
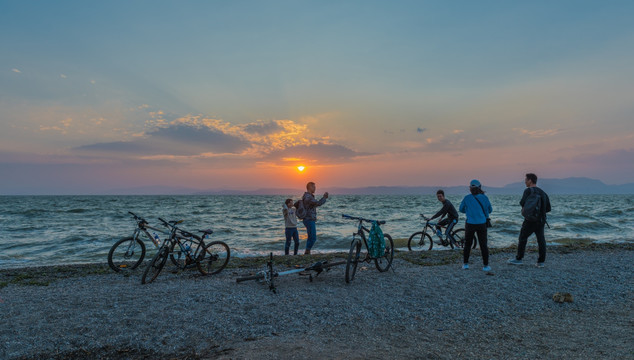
(181, 258)
(458, 238)
(353, 260)
(384, 262)
(420, 241)
(126, 254)
(155, 266)
(214, 258)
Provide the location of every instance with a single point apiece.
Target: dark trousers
(291, 233)
(469, 231)
(450, 224)
(528, 228)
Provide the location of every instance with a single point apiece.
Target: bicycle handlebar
(380, 222)
(138, 218)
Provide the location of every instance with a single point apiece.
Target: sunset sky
(102, 95)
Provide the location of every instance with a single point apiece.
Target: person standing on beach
(539, 202)
(290, 222)
(477, 207)
(450, 211)
(311, 204)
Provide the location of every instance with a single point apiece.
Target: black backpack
(300, 210)
(533, 206)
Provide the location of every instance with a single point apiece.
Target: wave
(585, 226)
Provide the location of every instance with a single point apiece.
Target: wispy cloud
(62, 76)
(62, 126)
(315, 152)
(17, 71)
(540, 133)
(421, 130)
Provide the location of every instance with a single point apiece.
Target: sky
(97, 96)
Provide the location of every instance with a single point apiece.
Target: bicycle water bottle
(187, 249)
(157, 240)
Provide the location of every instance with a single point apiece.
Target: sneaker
(540, 265)
(465, 267)
(486, 268)
(514, 261)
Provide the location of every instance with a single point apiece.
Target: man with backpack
(307, 211)
(535, 204)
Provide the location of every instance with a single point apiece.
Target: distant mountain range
(573, 185)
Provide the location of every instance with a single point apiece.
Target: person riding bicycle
(447, 210)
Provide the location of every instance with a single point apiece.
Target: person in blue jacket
(477, 207)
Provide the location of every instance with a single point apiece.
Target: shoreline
(426, 308)
(45, 274)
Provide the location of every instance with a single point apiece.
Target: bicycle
(269, 274)
(186, 249)
(382, 263)
(129, 252)
(422, 240)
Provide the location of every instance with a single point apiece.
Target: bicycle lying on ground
(382, 262)
(186, 249)
(422, 240)
(269, 274)
(128, 253)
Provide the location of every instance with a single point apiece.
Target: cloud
(315, 152)
(263, 128)
(421, 130)
(118, 147)
(207, 138)
(62, 76)
(539, 133)
(64, 126)
(16, 71)
(179, 139)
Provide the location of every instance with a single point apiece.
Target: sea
(52, 230)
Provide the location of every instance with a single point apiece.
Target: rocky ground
(428, 307)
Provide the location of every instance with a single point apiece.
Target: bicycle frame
(432, 225)
(186, 241)
(142, 228)
(361, 231)
(268, 275)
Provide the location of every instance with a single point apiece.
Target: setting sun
(300, 168)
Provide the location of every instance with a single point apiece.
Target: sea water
(49, 230)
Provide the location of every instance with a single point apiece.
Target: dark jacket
(545, 200)
(447, 209)
(311, 204)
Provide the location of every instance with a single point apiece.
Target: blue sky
(487, 89)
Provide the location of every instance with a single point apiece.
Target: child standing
(290, 220)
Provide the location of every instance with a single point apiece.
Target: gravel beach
(428, 307)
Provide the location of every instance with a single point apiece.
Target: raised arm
(310, 201)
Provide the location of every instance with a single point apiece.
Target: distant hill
(573, 185)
